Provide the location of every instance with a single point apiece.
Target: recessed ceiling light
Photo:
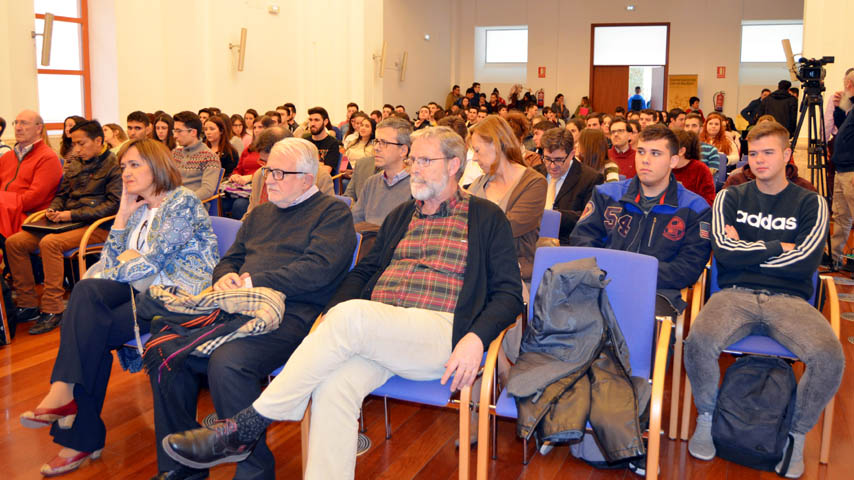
(427, 37)
(630, 8)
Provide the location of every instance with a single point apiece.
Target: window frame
(501, 28)
(85, 73)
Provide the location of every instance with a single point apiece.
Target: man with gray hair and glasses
(439, 285)
(300, 243)
(389, 188)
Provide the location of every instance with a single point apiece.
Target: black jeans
(234, 373)
(98, 319)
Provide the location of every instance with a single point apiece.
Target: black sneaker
(209, 446)
(26, 314)
(46, 323)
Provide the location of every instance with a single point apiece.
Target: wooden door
(609, 88)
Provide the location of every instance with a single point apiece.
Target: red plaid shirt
(427, 268)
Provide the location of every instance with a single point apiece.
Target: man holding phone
(90, 189)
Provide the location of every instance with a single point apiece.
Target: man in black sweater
(440, 284)
(749, 112)
(767, 236)
(843, 161)
(299, 243)
(782, 106)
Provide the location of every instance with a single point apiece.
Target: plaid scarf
(184, 325)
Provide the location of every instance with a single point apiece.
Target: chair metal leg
(525, 451)
(362, 428)
(387, 423)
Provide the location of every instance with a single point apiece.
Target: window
(630, 45)
(507, 45)
(762, 42)
(63, 85)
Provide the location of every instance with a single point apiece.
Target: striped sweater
(756, 259)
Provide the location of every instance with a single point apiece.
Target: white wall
(17, 61)
(703, 35)
(404, 25)
(173, 55)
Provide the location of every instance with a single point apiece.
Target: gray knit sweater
(377, 199)
(199, 168)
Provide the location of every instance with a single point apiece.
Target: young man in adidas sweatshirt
(767, 238)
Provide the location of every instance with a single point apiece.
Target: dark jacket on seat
(574, 365)
(91, 189)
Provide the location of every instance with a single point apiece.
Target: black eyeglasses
(140, 240)
(278, 173)
(555, 161)
(383, 143)
(422, 162)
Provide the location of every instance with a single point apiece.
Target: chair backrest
(714, 287)
(344, 199)
(722, 168)
(550, 224)
(631, 291)
(225, 230)
(356, 250)
(214, 207)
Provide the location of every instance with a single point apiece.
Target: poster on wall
(679, 89)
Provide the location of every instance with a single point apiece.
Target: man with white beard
(843, 160)
(439, 285)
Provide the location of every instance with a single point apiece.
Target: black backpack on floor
(754, 411)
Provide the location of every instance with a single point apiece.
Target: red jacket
(249, 162)
(625, 161)
(27, 186)
(696, 177)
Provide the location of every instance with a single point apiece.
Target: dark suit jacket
(573, 195)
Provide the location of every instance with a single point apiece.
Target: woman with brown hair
(521, 127)
(239, 134)
(592, 150)
(114, 136)
(714, 133)
(216, 138)
(65, 142)
(163, 126)
(161, 235)
(518, 189)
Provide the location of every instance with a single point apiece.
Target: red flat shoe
(59, 465)
(43, 417)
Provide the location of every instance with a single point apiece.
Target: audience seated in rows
(622, 152)
(91, 188)
(519, 190)
(385, 190)
(570, 182)
(708, 153)
(392, 315)
(766, 277)
(293, 244)
(199, 166)
(652, 214)
(162, 236)
(29, 174)
(263, 144)
(690, 171)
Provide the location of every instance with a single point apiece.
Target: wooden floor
(422, 445)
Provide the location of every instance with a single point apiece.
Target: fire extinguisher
(719, 100)
(541, 98)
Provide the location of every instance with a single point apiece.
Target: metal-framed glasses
(277, 173)
(421, 161)
(383, 143)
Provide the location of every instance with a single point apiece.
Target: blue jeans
(735, 313)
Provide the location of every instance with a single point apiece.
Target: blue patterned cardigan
(183, 245)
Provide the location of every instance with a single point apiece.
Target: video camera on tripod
(811, 73)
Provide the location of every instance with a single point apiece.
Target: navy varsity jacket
(675, 231)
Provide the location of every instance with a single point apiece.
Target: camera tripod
(812, 108)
